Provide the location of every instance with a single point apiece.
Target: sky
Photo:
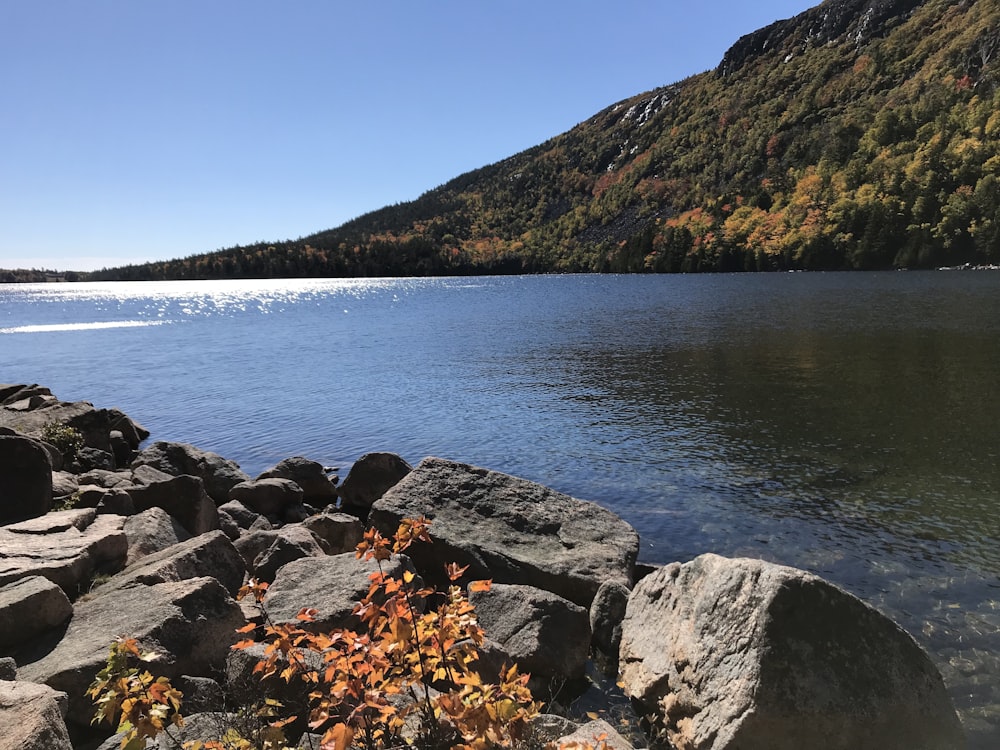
(141, 130)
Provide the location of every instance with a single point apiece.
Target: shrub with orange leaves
(408, 675)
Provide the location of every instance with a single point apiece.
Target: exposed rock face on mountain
(832, 21)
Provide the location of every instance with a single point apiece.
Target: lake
(848, 424)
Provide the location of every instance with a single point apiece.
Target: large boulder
(331, 585)
(190, 624)
(751, 655)
(211, 554)
(183, 497)
(31, 416)
(269, 497)
(218, 474)
(31, 717)
(25, 479)
(151, 531)
(542, 633)
(316, 486)
(28, 608)
(510, 529)
(67, 547)
(369, 478)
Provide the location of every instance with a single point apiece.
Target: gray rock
(183, 497)
(290, 543)
(218, 474)
(309, 475)
(29, 607)
(510, 529)
(210, 554)
(133, 432)
(89, 495)
(116, 502)
(244, 686)
(122, 452)
(106, 479)
(205, 726)
(31, 717)
(747, 654)
(337, 532)
(596, 733)
(94, 424)
(191, 624)
(269, 497)
(25, 479)
(606, 614)
(228, 525)
(252, 544)
(544, 634)
(11, 392)
(90, 459)
(240, 513)
(201, 694)
(261, 524)
(369, 478)
(8, 668)
(67, 547)
(143, 474)
(64, 484)
(331, 585)
(151, 531)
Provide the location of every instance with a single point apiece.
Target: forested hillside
(861, 134)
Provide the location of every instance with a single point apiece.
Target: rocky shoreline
(105, 537)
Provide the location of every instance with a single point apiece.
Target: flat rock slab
(190, 623)
(509, 529)
(67, 547)
(751, 655)
(211, 554)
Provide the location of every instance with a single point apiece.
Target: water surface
(843, 423)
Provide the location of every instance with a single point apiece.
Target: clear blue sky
(135, 130)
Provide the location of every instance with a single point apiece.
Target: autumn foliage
(408, 674)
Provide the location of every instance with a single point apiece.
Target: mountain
(860, 134)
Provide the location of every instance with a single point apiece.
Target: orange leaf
(454, 572)
(481, 585)
(338, 737)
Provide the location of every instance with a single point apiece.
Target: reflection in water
(844, 423)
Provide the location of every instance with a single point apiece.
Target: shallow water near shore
(842, 423)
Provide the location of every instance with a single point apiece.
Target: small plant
(145, 705)
(67, 440)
